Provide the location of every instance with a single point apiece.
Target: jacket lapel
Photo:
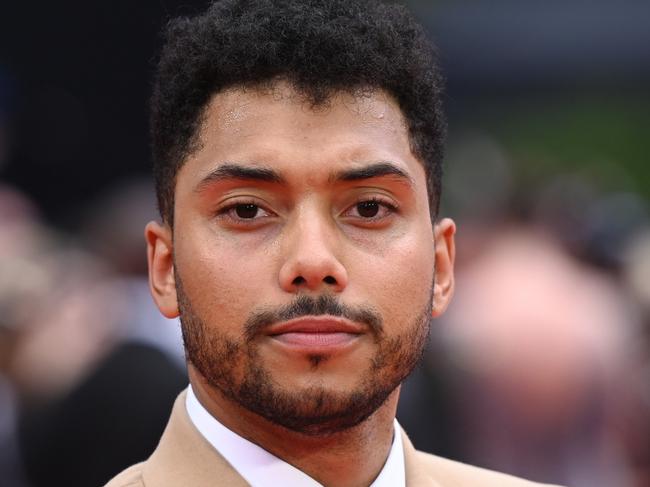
(184, 457)
(416, 474)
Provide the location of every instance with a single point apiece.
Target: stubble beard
(236, 370)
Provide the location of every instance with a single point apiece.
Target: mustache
(305, 305)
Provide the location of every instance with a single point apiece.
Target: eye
(368, 209)
(247, 211)
(371, 210)
(243, 213)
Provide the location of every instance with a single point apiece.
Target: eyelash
(225, 211)
(232, 206)
(391, 207)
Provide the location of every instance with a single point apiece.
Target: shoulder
(131, 477)
(457, 473)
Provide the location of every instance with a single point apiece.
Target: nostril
(298, 281)
(329, 280)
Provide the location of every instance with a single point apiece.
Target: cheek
(400, 281)
(223, 282)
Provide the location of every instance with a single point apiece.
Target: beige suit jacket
(184, 458)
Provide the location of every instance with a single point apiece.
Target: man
(297, 149)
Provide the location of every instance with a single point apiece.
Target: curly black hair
(320, 47)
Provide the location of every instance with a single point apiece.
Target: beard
(235, 368)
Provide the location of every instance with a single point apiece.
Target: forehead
(235, 104)
(279, 127)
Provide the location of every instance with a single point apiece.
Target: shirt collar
(261, 468)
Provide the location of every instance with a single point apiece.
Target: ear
(445, 253)
(160, 256)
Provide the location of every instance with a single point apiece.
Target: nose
(310, 248)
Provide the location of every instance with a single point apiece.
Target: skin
(308, 237)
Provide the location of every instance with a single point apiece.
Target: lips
(316, 333)
(316, 324)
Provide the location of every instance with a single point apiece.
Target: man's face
(303, 255)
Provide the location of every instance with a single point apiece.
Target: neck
(325, 458)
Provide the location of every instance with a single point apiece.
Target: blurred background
(541, 366)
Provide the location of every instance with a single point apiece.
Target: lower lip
(316, 341)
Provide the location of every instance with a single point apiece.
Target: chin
(313, 408)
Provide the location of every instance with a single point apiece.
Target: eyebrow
(376, 170)
(230, 171)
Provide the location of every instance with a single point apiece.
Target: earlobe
(160, 257)
(445, 254)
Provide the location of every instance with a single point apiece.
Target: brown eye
(371, 212)
(246, 211)
(368, 209)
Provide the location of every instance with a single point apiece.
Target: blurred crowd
(79, 334)
(540, 367)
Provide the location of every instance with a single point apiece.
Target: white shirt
(261, 469)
